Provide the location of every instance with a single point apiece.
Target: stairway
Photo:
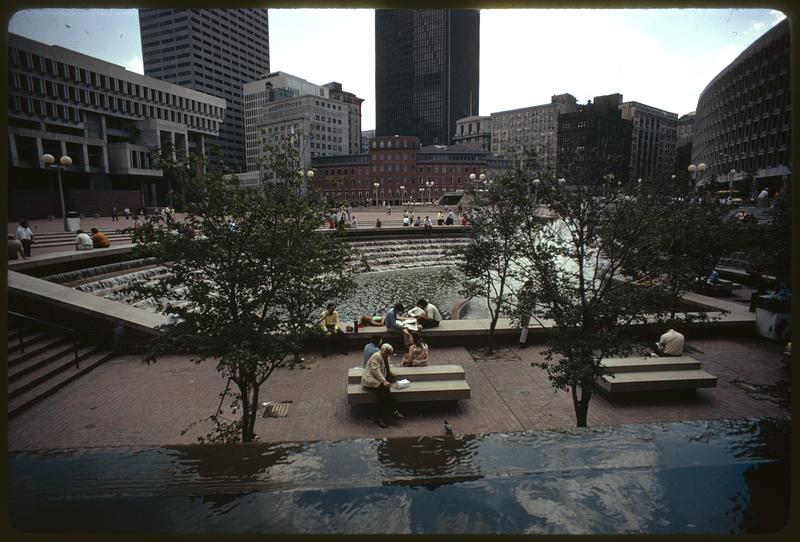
(67, 239)
(47, 360)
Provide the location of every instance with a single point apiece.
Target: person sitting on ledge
(417, 355)
(83, 241)
(99, 239)
(392, 315)
(670, 344)
(430, 317)
(713, 277)
(378, 378)
(374, 345)
(331, 330)
(15, 249)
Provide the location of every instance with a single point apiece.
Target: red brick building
(403, 171)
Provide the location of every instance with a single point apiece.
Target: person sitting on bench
(392, 316)
(713, 277)
(417, 355)
(366, 320)
(331, 330)
(430, 317)
(378, 378)
(374, 345)
(670, 344)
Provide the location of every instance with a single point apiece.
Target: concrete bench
(431, 383)
(723, 287)
(639, 374)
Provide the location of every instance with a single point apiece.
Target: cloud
(135, 64)
(777, 16)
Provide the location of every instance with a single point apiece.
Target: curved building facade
(743, 118)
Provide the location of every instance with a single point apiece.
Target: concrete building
(403, 170)
(654, 136)
(354, 114)
(214, 51)
(685, 129)
(283, 107)
(474, 130)
(105, 118)
(594, 141)
(426, 71)
(743, 118)
(531, 128)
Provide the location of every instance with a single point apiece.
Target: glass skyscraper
(426, 71)
(214, 51)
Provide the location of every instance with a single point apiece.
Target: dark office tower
(214, 51)
(426, 72)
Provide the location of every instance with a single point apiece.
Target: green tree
(576, 263)
(492, 259)
(246, 272)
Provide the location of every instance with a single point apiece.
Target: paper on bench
(403, 383)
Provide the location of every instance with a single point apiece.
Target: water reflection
(691, 477)
(429, 462)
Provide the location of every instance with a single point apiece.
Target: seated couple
(417, 355)
(426, 314)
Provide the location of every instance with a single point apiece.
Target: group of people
(377, 376)
(98, 239)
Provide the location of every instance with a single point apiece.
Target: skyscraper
(214, 51)
(426, 71)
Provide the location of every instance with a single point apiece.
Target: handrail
(69, 331)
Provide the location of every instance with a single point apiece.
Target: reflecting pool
(700, 477)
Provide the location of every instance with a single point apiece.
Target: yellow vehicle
(736, 198)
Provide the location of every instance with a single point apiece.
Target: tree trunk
(247, 429)
(581, 405)
(492, 327)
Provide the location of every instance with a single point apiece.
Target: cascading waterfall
(82, 274)
(390, 270)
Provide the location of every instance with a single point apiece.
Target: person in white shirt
(763, 194)
(406, 221)
(25, 236)
(83, 241)
(354, 223)
(670, 344)
(431, 317)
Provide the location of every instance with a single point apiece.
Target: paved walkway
(128, 403)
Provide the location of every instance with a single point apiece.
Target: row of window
(46, 66)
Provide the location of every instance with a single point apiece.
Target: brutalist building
(426, 72)
(214, 51)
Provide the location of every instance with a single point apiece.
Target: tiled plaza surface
(126, 402)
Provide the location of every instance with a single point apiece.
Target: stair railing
(18, 320)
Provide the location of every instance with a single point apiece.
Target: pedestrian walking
(114, 215)
(127, 213)
(25, 236)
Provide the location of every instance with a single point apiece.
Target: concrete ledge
(637, 364)
(69, 258)
(84, 303)
(657, 381)
(442, 390)
(430, 373)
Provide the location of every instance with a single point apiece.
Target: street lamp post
(65, 161)
(421, 194)
(403, 191)
(731, 173)
(430, 184)
(536, 191)
(701, 167)
(376, 185)
(481, 177)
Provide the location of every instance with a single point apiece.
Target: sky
(660, 57)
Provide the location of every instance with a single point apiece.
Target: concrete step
(431, 373)
(46, 372)
(29, 339)
(50, 386)
(51, 355)
(439, 390)
(41, 346)
(642, 364)
(657, 381)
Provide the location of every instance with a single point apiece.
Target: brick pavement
(128, 403)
